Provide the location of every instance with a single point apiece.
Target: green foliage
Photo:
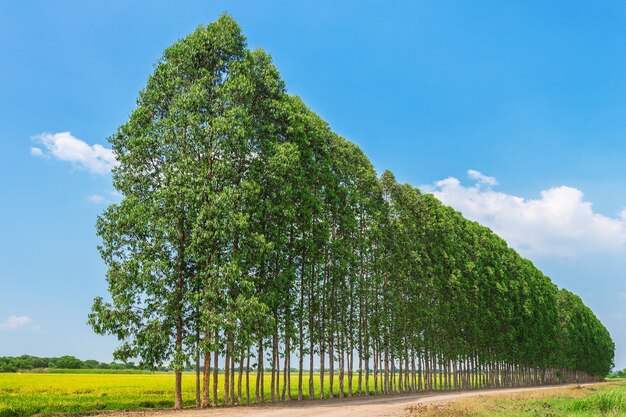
(248, 229)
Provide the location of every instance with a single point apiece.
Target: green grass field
(604, 399)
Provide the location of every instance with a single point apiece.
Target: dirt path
(380, 406)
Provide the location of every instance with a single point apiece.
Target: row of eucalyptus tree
(250, 235)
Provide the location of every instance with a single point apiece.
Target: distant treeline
(27, 363)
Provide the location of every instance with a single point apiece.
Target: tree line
(251, 236)
(28, 363)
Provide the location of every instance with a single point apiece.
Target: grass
(70, 391)
(606, 399)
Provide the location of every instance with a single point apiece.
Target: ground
(535, 401)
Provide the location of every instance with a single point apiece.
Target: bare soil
(378, 406)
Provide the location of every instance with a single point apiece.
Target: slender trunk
(322, 364)
(386, 376)
(393, 373)
(331, 370)
(311, 385)
(301, 335)
(248, 376)
(178, 402)
(240, 379)
(259, 394)
(286, 394)
(419, 370)
(274, 357)
(412, 381)
(205, 380)
(262, 373)
(198, 400)
(350, 357)
(215, 372)
(367, 373)
(311, 336)
(226, 396)
(341, 363)
(257, 385)
(360, 377)
(277, 370)
(441, 372)
(376, 368)
(232, 376)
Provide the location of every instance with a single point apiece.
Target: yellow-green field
(604, 399)
(28, 394)
(46, 393)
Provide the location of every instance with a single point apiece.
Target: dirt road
(387, 406)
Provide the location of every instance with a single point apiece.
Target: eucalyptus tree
(185, 172)
(147, 239)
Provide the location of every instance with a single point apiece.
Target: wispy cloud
(16, 322)
(558, 223)
(34, 151)
(481, 178)
(104, 198)
(63, 146)
(96, 199)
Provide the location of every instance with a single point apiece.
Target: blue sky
(512, 112)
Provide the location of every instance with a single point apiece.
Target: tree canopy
(250, 233)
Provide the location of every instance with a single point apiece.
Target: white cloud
(558, 223)
(480, 178)
(34, 151)
(96, 199)
(622, 295)
(15, 322)
(65, 147)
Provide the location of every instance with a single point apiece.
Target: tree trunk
(259, 373)
(301, 336)
(341, 363)
(215, 373)
(178, 404)
(198, 401)
(376, 354)
(232, 375)
(367, 373)
(274, 358)
(205, 379)
(240, 379)
(322, 364)
(286, 394)
(331, 364)
(248, 376)
(226, 396)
